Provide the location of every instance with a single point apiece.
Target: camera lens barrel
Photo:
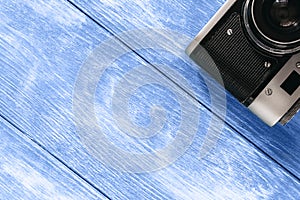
(274, 25)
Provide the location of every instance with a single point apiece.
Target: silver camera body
(255, 45)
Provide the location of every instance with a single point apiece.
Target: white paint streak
(32, 180)
(55, 10)
(30, 79)
(147, 13)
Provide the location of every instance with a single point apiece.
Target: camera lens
(274, 24)
(283, 14)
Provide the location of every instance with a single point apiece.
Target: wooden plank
(188, 17)
(28, 172)
(44, 44)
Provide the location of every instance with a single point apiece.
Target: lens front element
(285, 14)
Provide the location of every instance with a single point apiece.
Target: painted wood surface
(43, 46)
(188, 17)
(28, 172)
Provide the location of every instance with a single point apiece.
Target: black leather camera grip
(242, 68)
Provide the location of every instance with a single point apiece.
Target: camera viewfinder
(291, 84)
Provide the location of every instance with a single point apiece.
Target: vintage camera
(255, 45)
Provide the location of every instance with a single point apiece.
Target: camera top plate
(274, 101)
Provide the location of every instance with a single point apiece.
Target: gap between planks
(184, 90)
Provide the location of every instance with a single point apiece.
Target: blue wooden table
(99, 101)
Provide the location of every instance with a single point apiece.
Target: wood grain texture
(188, 17)
(28, 172)
(42, 47)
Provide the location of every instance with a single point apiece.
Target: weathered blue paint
(43, 45)
(28, 172)
(188, 17)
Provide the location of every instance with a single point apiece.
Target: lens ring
(262, 36)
